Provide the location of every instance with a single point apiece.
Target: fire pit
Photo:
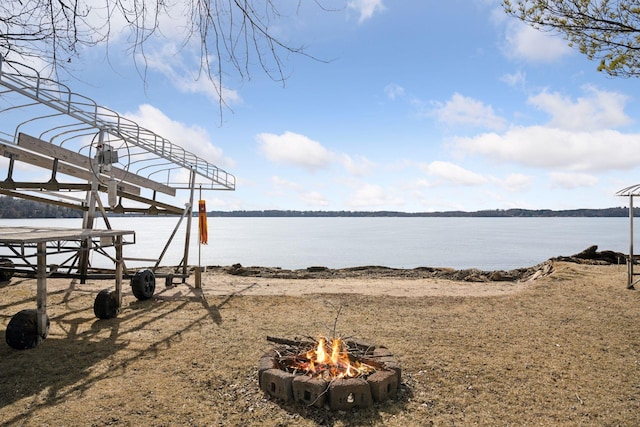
(333, 372)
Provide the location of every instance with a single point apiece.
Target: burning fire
(330, 360)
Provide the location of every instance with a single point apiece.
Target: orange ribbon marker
(202, 222)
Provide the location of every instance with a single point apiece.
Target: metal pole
(186, 211)
(192, 184)
(87, 223)
(88, 220)
(199, 242)
(41, 288)
(118, 245)
(630, 261)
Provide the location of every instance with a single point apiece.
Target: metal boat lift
(87, 153)
(29, 327)
(630, 192)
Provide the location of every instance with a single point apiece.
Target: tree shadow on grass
(63, 365)
(59, 367)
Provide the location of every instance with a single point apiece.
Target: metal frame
(99, 151)
(630, 192)
(68, 134)
(37, 242)
(87, 115)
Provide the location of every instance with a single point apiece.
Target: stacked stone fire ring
(277, 380)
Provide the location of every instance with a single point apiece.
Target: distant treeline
(510, 213)
(18, 208)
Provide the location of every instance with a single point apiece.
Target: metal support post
(192, 184)
(630, 261)
(41, 289)
(119, 262)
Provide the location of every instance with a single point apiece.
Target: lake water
(292, 243)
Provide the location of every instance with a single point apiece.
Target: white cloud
(393, 91)
(171, 62)
(173, 49)
(544, 147)
(497, 15)
(422, 183)
(598, 110)
(517, 79)
(525, 42)
(298, 150)
(453, 174)
(284, 188)
(462, 110)
(366, 8)
(314, 198)
(295, 150)
(360, 166)
(570, 181)
(517, 182)
(172, 21)
(194, 139)
(371, 196)
(283, 184)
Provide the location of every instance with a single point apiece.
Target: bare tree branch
(235, 37)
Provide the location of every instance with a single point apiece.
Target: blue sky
(415, 106)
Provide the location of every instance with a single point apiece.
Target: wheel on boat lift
(6, 275)
(143, 284)
(106, 304)
(22, 330)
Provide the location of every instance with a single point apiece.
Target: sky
(398, 105)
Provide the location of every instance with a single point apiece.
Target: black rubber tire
(22, 330)
(143, 284)
(5, 276)
(105, 305)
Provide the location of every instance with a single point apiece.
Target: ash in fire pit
(341, 374)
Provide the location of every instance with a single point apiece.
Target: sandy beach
(556, 346)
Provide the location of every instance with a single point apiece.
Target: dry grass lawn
(561, 350)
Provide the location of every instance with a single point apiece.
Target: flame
(330, 360)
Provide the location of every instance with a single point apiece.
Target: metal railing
(27, 81)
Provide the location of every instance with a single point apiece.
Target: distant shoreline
(495, 213)
(11, 208)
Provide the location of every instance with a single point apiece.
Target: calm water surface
(485, 243)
